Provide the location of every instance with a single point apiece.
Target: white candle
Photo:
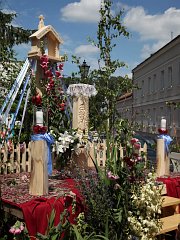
(163, 123)
(39, 118)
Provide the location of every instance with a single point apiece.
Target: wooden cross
(41, 22)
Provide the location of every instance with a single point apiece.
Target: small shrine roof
(44, 30)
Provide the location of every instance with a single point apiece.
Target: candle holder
(162, 129)
(39, 126)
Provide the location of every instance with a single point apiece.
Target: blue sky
(151, 25)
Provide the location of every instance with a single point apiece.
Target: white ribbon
(19, 81)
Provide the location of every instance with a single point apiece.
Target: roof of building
(125, 96)
(157, 53)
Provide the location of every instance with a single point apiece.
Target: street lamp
(84, 69)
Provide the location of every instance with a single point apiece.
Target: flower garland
(53, 100)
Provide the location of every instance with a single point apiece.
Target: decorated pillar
(81, 94)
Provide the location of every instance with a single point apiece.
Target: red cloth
(37, 210)
(172, 185)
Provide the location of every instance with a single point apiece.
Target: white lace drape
(81, 89)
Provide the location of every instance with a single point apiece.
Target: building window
(179, 73)
(154, 84)
(178, 118)
(142, 89)
(170, 77)
(162, 80)
(149, 85)
(154, 116)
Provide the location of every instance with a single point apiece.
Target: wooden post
(162, 159)
(81, 114)
(39, 172)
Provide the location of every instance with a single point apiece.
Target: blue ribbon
(167, 141)
(50, 140)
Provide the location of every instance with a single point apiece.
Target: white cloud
(8, 11)
(83, 11)
(84, 50)
(148, 49)
(158, 28)
(153, 27)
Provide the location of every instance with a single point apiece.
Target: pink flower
(21, 227)
(17, 231)
(137, 145)
(112, 177)
(24, 178)
(12, 230)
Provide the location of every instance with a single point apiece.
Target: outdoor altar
(120, 189)
(35, 210)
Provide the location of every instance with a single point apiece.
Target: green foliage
(10, 36)
(54, 232)
(108, 195)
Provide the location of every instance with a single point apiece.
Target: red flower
(134, 140)
(44, 58)
(39, 129)
(37, 100)
(62, 104)
(44, 65)
(61, 65)
(130, 162)
(137, 145)
(162, 131)
(58, 74)
(48, 73)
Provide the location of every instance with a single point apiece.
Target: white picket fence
(15, 160)
(18, 158)
(98, 152)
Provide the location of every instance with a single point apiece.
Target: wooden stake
(39, 172)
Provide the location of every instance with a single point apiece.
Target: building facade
(158, 93)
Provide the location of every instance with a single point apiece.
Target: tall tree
(10, 36)
(109, 87)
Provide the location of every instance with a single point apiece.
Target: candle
(39, 118)
(163, 123)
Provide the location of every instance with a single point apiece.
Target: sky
(151, 25)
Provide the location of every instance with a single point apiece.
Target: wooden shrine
(50, 39)
(45, 41)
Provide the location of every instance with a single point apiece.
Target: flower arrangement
(19, 231)
(64, 141)
(39, 129)
(52, 98)
(122, 200)
(144, 217)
